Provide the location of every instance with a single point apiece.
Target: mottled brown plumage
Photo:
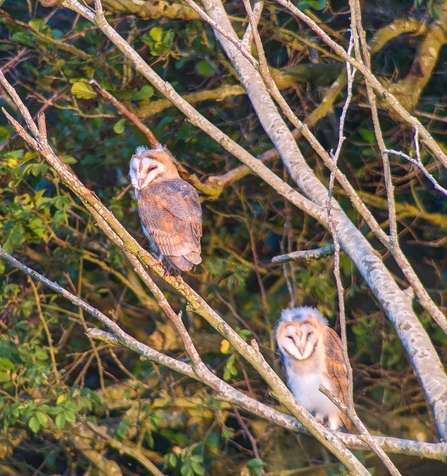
(312, 355)
(169, 209)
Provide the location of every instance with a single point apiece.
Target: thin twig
(364, 434)
(248, 35)
(389, 100)
(247, 432)
(122, 448)
(393, 243)
(238, 44)
(417, 162)
(125, 112)
(350, 73)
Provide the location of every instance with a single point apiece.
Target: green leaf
(172, 460)
(34, 424)
(205, 68)
(17, 235)
(149, 440)
(5, 133)
(68, 159)
(83, 90)
(317, 4)
(145, 92)
(23, 37)
(435, 9)
(156, 34)
(118, 128)
(43, 419)
(6, 364)
(41, 354)
(70, 417)
(36, 23)
(186, 470)
(96, 398)
(198, 468)
(255, 463)
(60, 420)
(27, 307)
(367, 135)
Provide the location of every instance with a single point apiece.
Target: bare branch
(126, 113)
(390, 102)
(417, 162)
(364, 434)
(118, 234)
(392, 299)
(307, 255)
(350, 73)
(217, 27)
(120, 338)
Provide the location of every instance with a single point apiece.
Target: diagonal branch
(226, 393)
(115, 231)
(389, 101)
(395, 302)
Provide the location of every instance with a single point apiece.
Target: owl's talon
(154, 263)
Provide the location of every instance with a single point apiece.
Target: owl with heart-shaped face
(169, 209)
(312, 355)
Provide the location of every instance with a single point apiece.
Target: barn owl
(169, 209)
(312, 356)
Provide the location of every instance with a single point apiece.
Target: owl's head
(147, 165)
(298, 331)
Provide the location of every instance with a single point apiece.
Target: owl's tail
(186, 262)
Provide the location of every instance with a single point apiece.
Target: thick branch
(395, 303)
(120, 338)
(389, 101)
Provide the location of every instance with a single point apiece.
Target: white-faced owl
(169, 209)
(312, 355)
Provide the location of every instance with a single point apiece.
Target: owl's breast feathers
(171, 213)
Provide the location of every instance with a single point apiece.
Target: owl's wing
(337, 370)
(172, 216)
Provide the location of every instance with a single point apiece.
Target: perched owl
(312, 355)
(169, 209)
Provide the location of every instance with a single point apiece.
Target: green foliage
(254, 466)
(187, 460)
(315, 4)
(83, 90)
(159, 41)
(205, 68)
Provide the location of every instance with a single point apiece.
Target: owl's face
(143, 170)
(146, 166)
(298, 341)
